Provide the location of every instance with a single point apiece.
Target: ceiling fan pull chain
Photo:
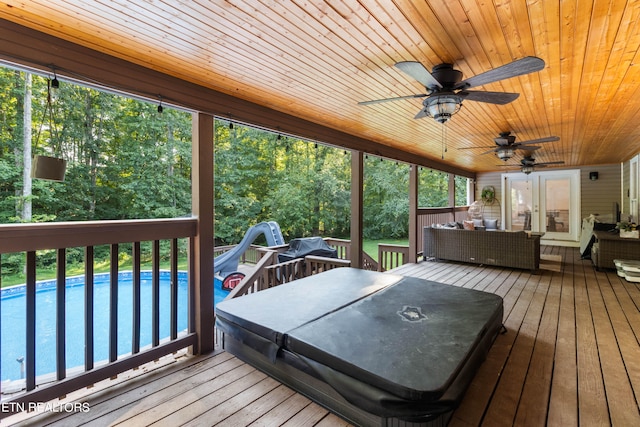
(442, 145)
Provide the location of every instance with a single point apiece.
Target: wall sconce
(593, 176)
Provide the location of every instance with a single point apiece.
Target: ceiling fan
(528, 164)
(446, 90)
(506, 145)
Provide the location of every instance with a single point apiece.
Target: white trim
(537, 180)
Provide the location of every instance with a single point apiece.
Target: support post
(202, 205)
(413, 214)
(452, 195)
(357, 185)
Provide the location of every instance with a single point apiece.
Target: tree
(386, 199)
(26, 151)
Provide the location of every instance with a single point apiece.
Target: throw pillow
(468, 225)
(478, 222)
(491, 224)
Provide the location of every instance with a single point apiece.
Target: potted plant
(627, 229)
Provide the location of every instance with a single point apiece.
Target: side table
(609, 246)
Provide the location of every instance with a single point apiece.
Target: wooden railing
(256, 281)
(318, 264)
(341, 245)
(29, 238)
(269, 272)
(250, 256)
(391, 256)
(284, 272)
(368, 263)
(429, 216)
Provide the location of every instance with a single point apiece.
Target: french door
(547, 202)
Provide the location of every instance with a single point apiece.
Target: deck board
(570, 356)
(563, 401)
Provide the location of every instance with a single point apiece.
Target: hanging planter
(49, 168)
(46, 167)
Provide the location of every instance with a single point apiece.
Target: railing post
(413, 213)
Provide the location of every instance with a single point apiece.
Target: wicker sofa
(516, 249)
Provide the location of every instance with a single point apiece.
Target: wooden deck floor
(570, 356)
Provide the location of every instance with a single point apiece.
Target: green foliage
(261, 177)
(461, 190)
(433, 188)
(386, 199)
(125, 160)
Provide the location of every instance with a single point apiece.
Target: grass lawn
(371, 246)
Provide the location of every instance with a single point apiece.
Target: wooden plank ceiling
(316, 59)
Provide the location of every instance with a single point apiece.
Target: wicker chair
(502, 248)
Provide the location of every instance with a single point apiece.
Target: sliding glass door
(547, 202)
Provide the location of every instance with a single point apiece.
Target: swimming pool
(12, 310)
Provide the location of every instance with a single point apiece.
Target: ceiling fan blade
(419, 73)
(541, 140)
(500, 98)
(422, 113)
(397, 98)
(473, 148)
(490, 151)
(550, 163)
(527, 148)
(519, 67)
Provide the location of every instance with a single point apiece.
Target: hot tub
(374, 348)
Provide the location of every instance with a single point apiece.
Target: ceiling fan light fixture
(505, 153)
(527, 169)
(442, 107)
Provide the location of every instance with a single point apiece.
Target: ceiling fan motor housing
(446, 75)
(505, 138)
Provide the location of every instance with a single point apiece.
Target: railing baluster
(61, 282)
(135, 335)
(155, 294)
(191, 290)
(31, 321)
(88, 308)
(113, 304)
(174, 289)
(29, 238)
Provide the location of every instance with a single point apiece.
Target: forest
(131, 159)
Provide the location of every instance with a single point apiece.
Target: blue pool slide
(227, 263)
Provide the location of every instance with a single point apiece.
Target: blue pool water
(13, 322)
